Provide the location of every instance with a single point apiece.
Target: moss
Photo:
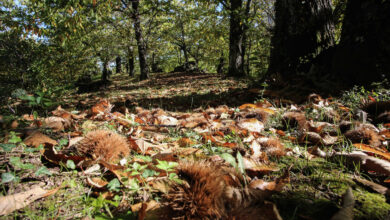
(370, 205)
(316, 191)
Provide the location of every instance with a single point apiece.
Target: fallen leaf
(369, 149)
(256, 168)
(56, 158)
(102, 106)
(374, 186)
(367, 163)
(10, 203)
(385, 133)
(37, 138)
(57, 123)
(185, 142)
(251, 124)
(97, 182)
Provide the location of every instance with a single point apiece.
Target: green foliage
(114, 185)
(358, 95)
(43, 171)
(8, 177)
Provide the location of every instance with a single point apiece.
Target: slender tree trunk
(184, 49)
(220, 67)
(183, 42)
(140, 41)
(118, 63)
(248, 54)
(236, 56)
(105, 71)
(245, 36)
(130, 63)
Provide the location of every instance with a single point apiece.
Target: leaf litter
(218, 162)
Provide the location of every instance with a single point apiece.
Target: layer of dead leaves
(225, 185)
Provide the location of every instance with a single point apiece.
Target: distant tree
(118, 64)
(130, 61)
(140, 40)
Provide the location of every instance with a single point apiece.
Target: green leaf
(8, 177)
(230, 159)
(114, 185)
(149, 173)
(14, 138)
(15, 161)
(134, 184)
(7, 147)
(144, 158)
(27, 98)
(63, 142)
(70, 164)
(241, 166)
(165, 165)
(43, 171)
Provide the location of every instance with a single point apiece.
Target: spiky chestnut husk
(102, 144)
(211, 191)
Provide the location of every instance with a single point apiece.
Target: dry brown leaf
(251, 124)
(185, 142)
(75, 140)
(294, 119)
(57, 123)
(167, 120)
(364, 135)
(255, 148)
(10, 203)
(256, 106)
(367, 163)
(385, 133)
(37, 138)
(188, 151)
(379, 152)
(374, 186)
(256, 168)
(103, 106)
(51, 155)
(144, 146)
(272, 146)
(346, 211)
(96, 182)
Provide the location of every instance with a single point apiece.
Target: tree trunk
(140, 41)
(236, 56)
(221, 64)
(105, 71)
(302, 30)
(363, 54)
(248, 53)
(130, 68)
(118, 63)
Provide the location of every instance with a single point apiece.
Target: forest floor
(301, 152)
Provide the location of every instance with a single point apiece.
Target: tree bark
(118, 63)
(236, 35)
(130, 68)
(221, 64)
(363, 53)
(140, 41)
(302, 30)
(105, 71)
